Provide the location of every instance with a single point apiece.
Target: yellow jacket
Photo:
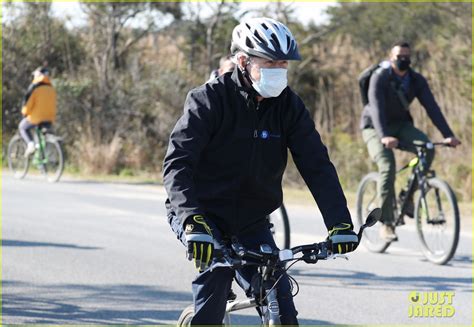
(40, 101)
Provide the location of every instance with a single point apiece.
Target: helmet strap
(246, 74)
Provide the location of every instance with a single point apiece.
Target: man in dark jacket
(226, 157)
(386, 120)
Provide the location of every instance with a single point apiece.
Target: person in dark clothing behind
(226, 157)
(225, 65)
(386, 120)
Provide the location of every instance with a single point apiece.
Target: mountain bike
(48, 156)
(436, 210)
(280, 227)
(268, 261)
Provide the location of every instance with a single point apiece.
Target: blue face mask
(272, 82)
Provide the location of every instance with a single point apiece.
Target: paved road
(82, 252)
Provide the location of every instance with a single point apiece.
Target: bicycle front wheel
(17, 162)
(437, 221)
(53, 159)
(281, 227)
(188, 314)
(367, 200)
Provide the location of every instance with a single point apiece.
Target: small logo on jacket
(266, 135)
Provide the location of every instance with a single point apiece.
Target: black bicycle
(48, 156)
(435, 212)
(264, 291)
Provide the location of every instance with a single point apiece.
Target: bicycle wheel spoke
(438, 222)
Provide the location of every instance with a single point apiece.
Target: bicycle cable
(291, 280)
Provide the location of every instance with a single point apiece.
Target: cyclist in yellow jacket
(39, 107)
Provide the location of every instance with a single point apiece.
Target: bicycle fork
(271, 317)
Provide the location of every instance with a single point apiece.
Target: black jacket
(385, 108)
(227, 154)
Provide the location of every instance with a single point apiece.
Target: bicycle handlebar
(421, 145)
(311, 252)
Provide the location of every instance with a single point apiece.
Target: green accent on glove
(343, 238)
(200, 241)
(340, 227)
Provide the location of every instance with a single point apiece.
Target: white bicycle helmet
(266, 38)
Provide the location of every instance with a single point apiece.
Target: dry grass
(97, 158)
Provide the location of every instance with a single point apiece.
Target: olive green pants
(384, 158)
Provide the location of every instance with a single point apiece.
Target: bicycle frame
(267, 302)
(269, 314)
(40, 158)
(269, 260)
(416, 181)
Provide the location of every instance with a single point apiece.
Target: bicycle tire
(15, 157)
(437, 255)
(55, 159)
(281, 227)
(371, 239)
(188, 314)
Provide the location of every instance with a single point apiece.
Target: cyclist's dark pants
(211, 289)
(24, 128)
(385, 160)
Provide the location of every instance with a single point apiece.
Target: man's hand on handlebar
(389, 142)
(343, 238)
(452, 141)
(200, 241)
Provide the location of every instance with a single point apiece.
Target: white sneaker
(387, 233)
(30, 149)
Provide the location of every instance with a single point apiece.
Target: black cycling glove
(200, 241)
(343, 238)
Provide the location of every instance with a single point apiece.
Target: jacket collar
(247, 92)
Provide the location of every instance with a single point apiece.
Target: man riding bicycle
(39, 107)
(386, 120)
(225, 161)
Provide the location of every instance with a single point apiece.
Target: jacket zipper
(250, 169)
(255, 131)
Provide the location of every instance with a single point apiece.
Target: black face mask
(403, 65)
